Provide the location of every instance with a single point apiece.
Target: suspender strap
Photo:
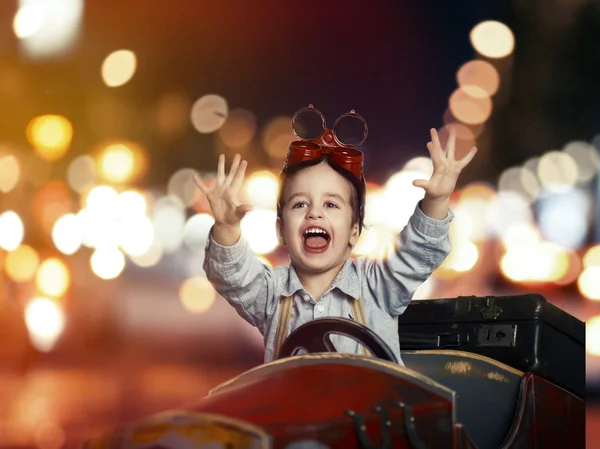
(358, 311)
(283, 322)
(285, 313)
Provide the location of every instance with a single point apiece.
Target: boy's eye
(330, 204)
(299, 204)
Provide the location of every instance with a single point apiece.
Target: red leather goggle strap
(350, 159)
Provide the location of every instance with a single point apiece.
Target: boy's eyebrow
(327, 194)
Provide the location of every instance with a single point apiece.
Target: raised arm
(229, 263)
(424, 243)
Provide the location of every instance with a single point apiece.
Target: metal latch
(490, 311)
(502, 335)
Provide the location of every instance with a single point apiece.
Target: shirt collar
(346, 281)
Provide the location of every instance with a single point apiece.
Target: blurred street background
(108, 107)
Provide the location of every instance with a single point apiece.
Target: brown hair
(357, 197)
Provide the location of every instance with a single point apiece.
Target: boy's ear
(354, 235)
(279, 228)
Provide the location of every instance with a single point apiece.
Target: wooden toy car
(441, 398)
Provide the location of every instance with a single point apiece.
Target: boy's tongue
(315, 242)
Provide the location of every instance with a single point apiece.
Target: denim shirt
(385, 286)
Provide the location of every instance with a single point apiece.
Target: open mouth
(316, 240)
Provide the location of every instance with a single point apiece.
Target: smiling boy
(320, 217)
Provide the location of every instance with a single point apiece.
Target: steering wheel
(314, 337)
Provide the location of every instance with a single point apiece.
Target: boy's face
(316, 223)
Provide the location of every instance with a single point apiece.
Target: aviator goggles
(339, 143)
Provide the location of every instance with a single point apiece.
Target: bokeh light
(81, 174)
(118, 68)
(258, 227)
(592, 335)
(45, 322)
(22, 263)
(479, 73)
(27, 21)
(209, 113)
(197, 294)
(492, 39)
(586, 158)
(181, 184)
(11, 230)
(520, 180)
(50, 135)
(53, 278)
(171, 115)
(591, 257)
(195, 233)
(557, 171)
(121, 162)
(239, 128)
(471, 106)
(588, 283)
(168, 219)
(260, 190)
(67, 235)
(107, 263)
(276, 137)
(150, 258)
(10, 172)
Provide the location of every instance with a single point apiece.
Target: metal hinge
(385, 425)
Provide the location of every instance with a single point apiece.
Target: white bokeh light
(11, 230)
(45, 322)
(258, 227)
(168, 219)
(67, 235)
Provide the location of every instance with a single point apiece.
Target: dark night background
(394, 62)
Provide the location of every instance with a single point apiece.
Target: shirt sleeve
(420, 248)
(241, 278)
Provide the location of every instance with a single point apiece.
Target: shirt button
(306, 297)
(320, 308)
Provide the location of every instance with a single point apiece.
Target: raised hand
(223, 196)
(446, 168)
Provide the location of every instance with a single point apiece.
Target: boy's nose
(315, 212)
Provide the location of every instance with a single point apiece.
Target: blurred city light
(258, 227)
(53, 278)
(195, 233)
(588, 283)
(118, 68)
(557, 171)
(209, 113)
(45, 322)
(478, 73)
(260, 190)
(67, 235)
(22, 263)
(50, 135)
(48, 28)
(492, 39)
(592, 335)
(181, 184)
(591, 257)
(107, 262)
(197, 294)
(168, 219)
(276, 137)
(472, 106)
(239, 128)
(10, 172)
(81, 173)
(563, 218)
(11, 230)
(117, 163)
